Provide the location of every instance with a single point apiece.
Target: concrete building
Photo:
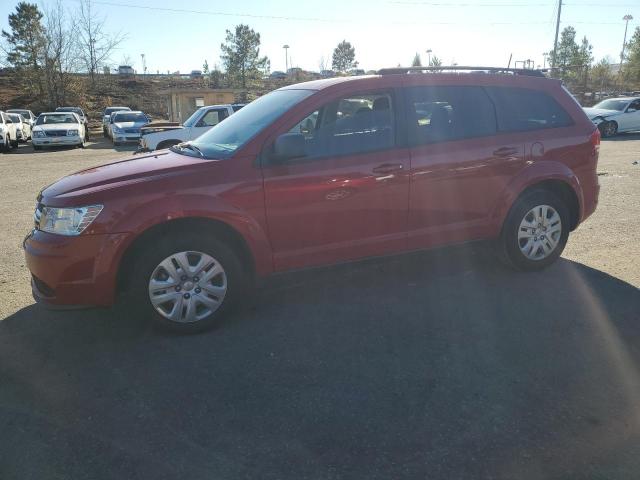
(181, 103)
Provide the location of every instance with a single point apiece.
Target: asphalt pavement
(441, 365)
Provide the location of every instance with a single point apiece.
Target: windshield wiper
(188, 146)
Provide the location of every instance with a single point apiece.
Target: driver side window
(635, 105)
(212, 118)
(350, 125)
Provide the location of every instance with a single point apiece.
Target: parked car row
(15, 127)
(165, 135)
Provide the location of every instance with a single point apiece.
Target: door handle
(505, 152)
(387, 168)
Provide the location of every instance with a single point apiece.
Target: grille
(132, 130)
(55, 133)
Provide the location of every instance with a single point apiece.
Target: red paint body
(316, 212)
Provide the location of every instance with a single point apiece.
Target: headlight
(68, 221)
(72, 133)
(116, 129)
(39, 134)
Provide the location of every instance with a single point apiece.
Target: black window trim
(397, 99)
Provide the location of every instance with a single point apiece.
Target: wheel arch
(208, 226)
(167, 143)
(552, 176)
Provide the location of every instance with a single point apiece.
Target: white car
(159, 136)
(8, 134)
(26, 114)
(106, 115)
(23, 129)
(616, 115)
(58, 128)
(125, 126)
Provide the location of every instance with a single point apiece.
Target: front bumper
(126, 137)
(54, 141)
(73, 271)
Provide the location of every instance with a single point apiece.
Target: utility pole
(429, 54)
(626, 18)
(286, 58)
(144, 64)
(555, 41)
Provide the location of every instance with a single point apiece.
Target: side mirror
(630, 110)
(289, 146)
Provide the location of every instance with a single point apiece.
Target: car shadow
(439, 365)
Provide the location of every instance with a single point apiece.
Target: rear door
(459, 165)
(347, 197)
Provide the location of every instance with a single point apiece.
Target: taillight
(595, 139)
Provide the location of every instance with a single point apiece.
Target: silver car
(125, 126)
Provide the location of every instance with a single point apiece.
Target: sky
(179, 36)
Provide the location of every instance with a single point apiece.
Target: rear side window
(522, 109)
(440, 114)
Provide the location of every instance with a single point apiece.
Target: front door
(630, 119)
(348, 196)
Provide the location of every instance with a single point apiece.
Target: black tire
(509, 246)
(157, 251)
(6, 146)
(36, 147)
(104, 133)
(608, 129)
(116, 144)
(15, 143)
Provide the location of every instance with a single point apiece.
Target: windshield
(52, 118)
(20, 112)
(110, 110)
(618, 105)
(15, 118)
(226, 137)
(130, 117)
(70, 109)
(190, 122)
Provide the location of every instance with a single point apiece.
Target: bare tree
(322, 63)
(60, 54)
(96, 44)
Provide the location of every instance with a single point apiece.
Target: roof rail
(456, 68)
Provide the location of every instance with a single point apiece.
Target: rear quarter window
(522, 109)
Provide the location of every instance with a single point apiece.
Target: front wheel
(609, 129)
(186, 283)
(535, 231)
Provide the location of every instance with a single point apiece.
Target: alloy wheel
(187, 287)
(539, 232)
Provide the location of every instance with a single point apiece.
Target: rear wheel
(6, 145)
(186, 283)
(15, 143)
(609, 129)
(535, 231)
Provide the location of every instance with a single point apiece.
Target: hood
(57, 126)
(600, 112)
(125, 172)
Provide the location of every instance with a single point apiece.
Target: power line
(320, 19)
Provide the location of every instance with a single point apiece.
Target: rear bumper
(72, 271)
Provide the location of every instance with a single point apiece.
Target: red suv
(318, 173)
